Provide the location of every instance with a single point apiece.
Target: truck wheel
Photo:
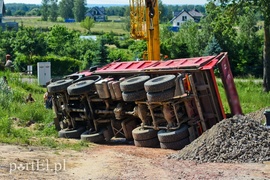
(140, 134)
(160, 96)
(134, 96)
(173, 136)
(95, 138)
(160, 83)
(80, 87)
(133, 84)
(92, 77)
(75, 133)
(177, 145)
(108, 133)
(60, 85)
(154, 143)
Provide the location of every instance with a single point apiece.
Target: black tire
(74, 77)
(134, 96)
(133, 84)
(154, 143)
(160, 83)
(177, 145)
(81, 87)
(91, 77)
(160, 96)
(108, 133)
(95, 138)
(75, 133)
(140, 134)
(59, 86)
(173, 136)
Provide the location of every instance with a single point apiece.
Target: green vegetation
(250, 94)
(28, 123)
(105, 27)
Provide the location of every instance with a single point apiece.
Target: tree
(249, 44)
(79, 10)
(6, 40)
(19, 13)
(8, 12)
(59, 39)
(219, 24)
(126, 25)
(190, 36)
(88, 23)
(118, 54)
(213, 47)
(103, 51)
(30, 41)
(45, 10)
(53, 11)
(264, 7)
(34, 12)
(65, 9)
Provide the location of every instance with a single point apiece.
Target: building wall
(182, 18)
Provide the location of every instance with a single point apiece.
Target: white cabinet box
(43, 72)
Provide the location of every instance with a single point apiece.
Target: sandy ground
(115, 161)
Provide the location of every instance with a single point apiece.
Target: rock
(239, 139)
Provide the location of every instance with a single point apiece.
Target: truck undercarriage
(163, 104)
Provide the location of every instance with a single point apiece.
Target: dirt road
(115, 161)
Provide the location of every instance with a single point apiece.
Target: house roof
(101, 11)
(177, 14)
(195, 13)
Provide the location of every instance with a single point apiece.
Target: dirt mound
(239, 139)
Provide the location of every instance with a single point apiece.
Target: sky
(174, 2)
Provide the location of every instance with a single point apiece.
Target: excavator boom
(144, 23)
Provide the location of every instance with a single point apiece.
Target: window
(178, 23)
(184, 18)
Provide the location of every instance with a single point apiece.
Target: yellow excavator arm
(144, 24)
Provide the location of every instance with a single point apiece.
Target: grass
(251, 95)
(110, 26)
(15, 114)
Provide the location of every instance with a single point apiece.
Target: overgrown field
(115, 24)
(32, 123)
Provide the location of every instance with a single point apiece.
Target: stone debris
(239, 139)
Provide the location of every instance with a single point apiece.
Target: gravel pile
(239, 139)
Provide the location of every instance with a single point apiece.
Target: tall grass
(251, 95)
(27, 123)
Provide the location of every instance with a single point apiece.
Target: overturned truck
(163, 104)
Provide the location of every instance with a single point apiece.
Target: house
(97, 13)
(6, 25)
(184, 16)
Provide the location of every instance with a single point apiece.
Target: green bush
(59, 65)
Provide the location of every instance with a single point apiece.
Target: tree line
(76, 9)
(227, 28)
